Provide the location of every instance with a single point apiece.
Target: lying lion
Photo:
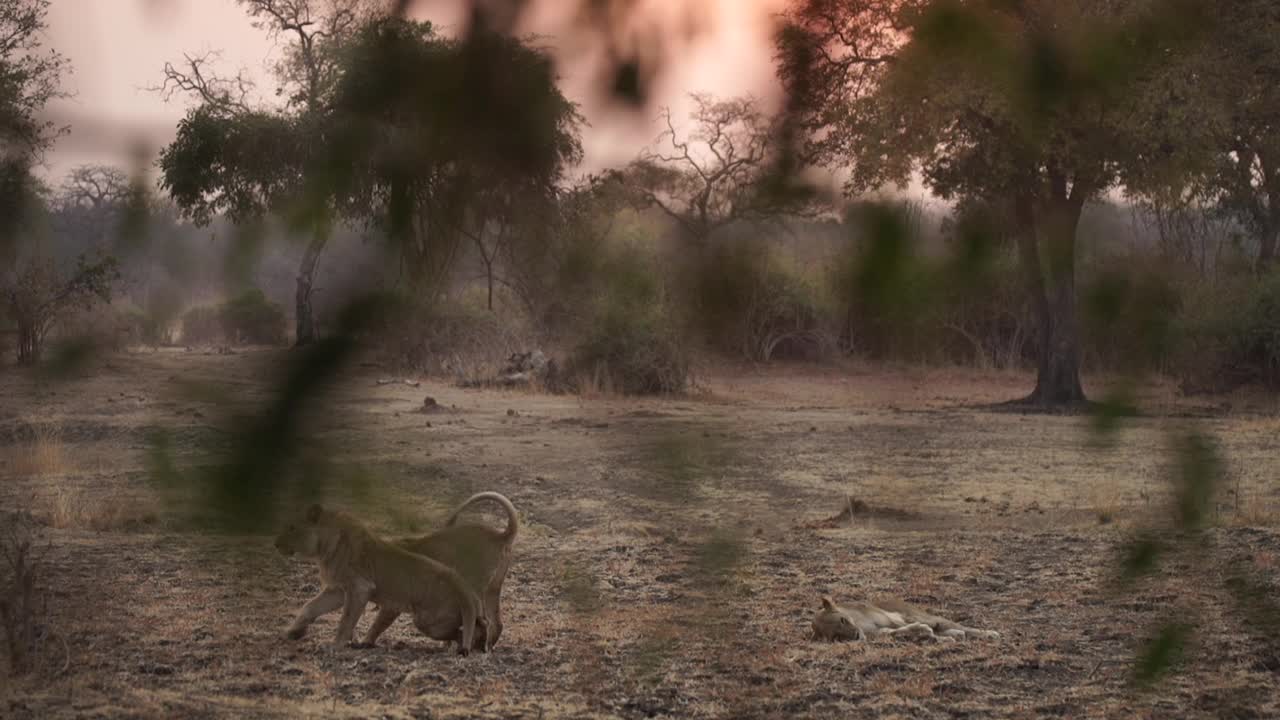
(358, 567)
(892, 617)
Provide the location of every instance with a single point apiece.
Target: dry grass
(1244, 506)
(70, 508)
(595, 384)
(43, 455)
(1106, 502)
(60, 500)
(624, 600)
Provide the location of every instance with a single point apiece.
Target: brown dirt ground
(672, 554)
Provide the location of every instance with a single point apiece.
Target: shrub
(985, 317)
(202, 324)
(632, 350)
(1128, 318)
(457, 336)
(629, 342)
(885, 289)
(1229, 335)
(22, 603)
(248, 318)
(966, 305)
(751, 303)
(252, 319)
(105, 327)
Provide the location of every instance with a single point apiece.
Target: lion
(480, 554)
(891, 617)
(357, 567)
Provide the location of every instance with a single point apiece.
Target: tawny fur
(480, 554)
(891, 617)
(357, 567)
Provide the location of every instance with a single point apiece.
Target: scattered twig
(1098, 666)
(66, 649)
(397, 381)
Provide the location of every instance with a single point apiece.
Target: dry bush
(22, 604)
(632, 351)
(458, 337)
(111, 327)
(248, 318)
(753, 304)
(202, 324)
(630, 341)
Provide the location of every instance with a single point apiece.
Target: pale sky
(117, 48)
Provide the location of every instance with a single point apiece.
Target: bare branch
(717, 173)
(230, 95)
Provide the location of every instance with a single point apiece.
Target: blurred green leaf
(1140, 557)
(69, 358)
(720, 555)
(1256, 600)
(1161, 653)
(244, 253)
(886, 237)
(161, 468)
(1106, 416)
(1199, 470)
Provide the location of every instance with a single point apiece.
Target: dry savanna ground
(672, 552)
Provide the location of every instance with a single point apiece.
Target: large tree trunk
(1058, 378)
(1053, 290)
(304, 314)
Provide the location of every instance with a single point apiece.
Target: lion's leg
(969, 633)
(469, 618)
(380, 624)
(327, 601)
(493, 614)
(357, 596)
(915, 630)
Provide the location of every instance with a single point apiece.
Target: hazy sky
(118, 48)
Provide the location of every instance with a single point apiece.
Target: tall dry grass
(43, 455)
(44, 458)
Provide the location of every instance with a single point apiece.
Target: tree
(717, 174)
(553, 266)
(231, 157)
(35, 292)
(39, 294)
(426, 150)
(95, 187)
(91, 201)
(30, 76)
(1237, 94)
(1034, 105)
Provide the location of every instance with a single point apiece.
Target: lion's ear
(313, 513)
(828, 603)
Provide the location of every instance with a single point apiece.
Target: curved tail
(513, 521)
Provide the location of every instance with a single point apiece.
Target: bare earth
(672, 554)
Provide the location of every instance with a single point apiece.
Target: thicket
(246, 319)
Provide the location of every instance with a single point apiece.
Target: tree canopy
(1041, 105)
(424, 148)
